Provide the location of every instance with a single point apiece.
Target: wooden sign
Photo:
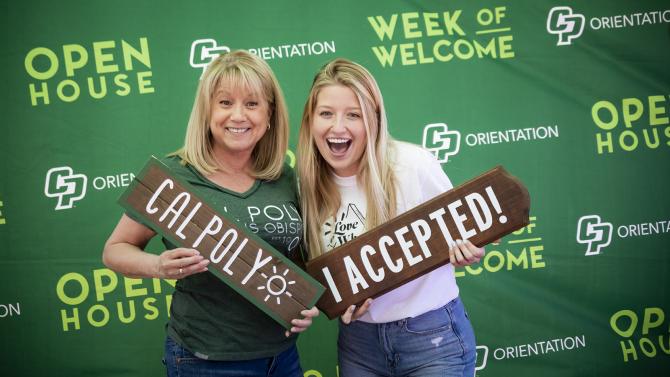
(241, 259)
(416, 242)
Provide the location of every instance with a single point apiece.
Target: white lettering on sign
(230, 233)
(257, 265)
(475, 206)
(375, 276)
(355, 276)
(149, 208)
(184, 198)
(232, 259)
(228, 240)
(187, 220)
(211, 229)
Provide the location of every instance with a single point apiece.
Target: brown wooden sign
(241, 259)
(416, 242)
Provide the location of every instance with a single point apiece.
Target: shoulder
(418, 172)
(408, 156)
(286, 179)
(180, 168)
(172, 161)
(287, 174)
(288, 171)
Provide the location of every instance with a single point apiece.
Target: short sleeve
(433, 180)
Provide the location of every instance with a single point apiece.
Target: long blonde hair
(243, 70)
(320, 198)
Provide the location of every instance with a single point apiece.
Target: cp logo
(566, 24)
(62, 183)
(440, 141)
(203, 51)
(482, 355)
(592, 231)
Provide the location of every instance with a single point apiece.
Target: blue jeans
(437, 343)
(180, 362)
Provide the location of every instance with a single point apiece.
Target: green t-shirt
(209, 318)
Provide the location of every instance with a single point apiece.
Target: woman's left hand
(353, 313)
(300, 325)
(464, 253)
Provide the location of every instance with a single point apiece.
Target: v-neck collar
(206, 182)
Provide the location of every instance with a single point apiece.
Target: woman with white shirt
(354, 177)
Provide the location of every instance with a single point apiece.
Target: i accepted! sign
(416, 242)
(241, 259)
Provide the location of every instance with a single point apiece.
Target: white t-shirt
(419, 178)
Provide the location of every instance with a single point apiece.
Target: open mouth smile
(339, 146)
(237, 130)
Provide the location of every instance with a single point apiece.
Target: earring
(268, 125)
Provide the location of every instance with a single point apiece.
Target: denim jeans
(437, 343)
(180, 362)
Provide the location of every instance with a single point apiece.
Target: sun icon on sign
(281, 283)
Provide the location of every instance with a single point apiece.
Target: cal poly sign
(241, 259)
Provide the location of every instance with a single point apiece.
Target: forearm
(130, 260)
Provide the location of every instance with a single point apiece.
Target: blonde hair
(240, 69)
(320, 198)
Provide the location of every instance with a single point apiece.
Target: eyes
(352, 115)
(251, 104)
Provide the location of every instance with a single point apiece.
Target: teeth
(237, 130)
(338, 141)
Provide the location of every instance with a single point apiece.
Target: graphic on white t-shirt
(350, 224)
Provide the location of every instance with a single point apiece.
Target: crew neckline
(345, 181)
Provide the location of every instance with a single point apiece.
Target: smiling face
(238, 120)
(338, 129)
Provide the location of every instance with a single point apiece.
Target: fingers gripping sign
(300, 325)
(464, 253)
(180, 262)
(353, 314)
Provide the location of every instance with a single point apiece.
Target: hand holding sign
(416, 242)
(300, 325)
(180, 262)
(242, 260)
(355, 312)
(464, 253)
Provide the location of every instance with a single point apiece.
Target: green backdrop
(572, 97)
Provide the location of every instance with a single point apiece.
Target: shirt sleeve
(434, 181)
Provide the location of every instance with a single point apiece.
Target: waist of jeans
(401, 322)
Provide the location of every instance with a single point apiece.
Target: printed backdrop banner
(571, 96)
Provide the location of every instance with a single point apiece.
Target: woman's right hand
(180, 262)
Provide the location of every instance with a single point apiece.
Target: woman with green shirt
(233, 155)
